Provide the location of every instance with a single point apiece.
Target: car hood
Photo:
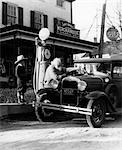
(94, 82)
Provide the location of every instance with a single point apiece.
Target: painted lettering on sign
(112, 34)
(65, 28)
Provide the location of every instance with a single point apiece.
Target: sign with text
(112, 34)
(65, 28)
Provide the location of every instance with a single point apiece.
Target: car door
(117, 80)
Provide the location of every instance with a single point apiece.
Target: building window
(11, 14)
(38, 20)
(60, 3)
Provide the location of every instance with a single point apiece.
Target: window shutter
(45, 21)
(4, 13)
(55, 25)
(32, 18)
(20, 15)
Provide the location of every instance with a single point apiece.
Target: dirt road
(25, 134)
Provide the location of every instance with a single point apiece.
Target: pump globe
(44, 34)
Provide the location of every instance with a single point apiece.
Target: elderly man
(54, 72)
(21, 78)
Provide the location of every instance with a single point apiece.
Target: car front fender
(96, 95)
(46, 90)
(50, 93)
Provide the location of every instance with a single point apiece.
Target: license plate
(68, 92)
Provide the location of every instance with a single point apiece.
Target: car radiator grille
(69, 93)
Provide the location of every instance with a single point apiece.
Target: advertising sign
(112, 34)
(65, 28)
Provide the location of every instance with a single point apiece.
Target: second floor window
(11, 14)
(38, 20)
(60, 3)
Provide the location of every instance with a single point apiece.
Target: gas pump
(42, 59)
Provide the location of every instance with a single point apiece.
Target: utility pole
(100, 52)
(120, 18)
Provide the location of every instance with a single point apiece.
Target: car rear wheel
(98, 113)
(43, 114)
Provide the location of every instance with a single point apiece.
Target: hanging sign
(112, 34)
(65, 28)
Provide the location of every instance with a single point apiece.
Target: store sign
(112, 34)
(65, 28)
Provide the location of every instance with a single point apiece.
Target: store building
(20, 22)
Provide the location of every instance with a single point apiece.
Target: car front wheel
(43, 114)
(98, 113)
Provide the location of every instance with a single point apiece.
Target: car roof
(113, 58)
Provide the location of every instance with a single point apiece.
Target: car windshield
(94, 68)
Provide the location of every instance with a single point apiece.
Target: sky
(87, 16)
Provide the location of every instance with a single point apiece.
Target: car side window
(103, 67)
(117, 71)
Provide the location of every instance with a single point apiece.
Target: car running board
(72, 109)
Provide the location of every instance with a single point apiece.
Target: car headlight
(106, 80)
(54, 84)
(82, 85)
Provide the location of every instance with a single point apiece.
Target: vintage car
(94, 90)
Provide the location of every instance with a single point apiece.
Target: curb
(7, 109)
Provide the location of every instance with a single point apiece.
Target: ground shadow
(60, 119)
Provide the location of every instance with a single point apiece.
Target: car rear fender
(96, 95)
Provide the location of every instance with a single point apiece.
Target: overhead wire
(90, 27)
(93, 24)
(109, 19)
(109, 22)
